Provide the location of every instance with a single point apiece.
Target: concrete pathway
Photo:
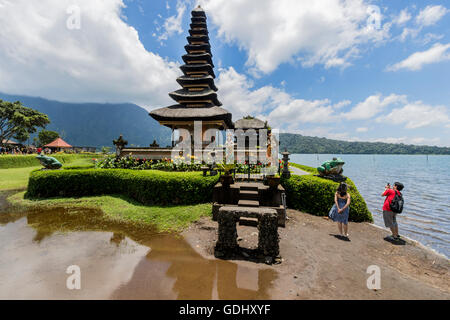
(297, 171)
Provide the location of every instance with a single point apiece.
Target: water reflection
(117, 261)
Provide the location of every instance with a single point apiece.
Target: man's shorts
(390, 219)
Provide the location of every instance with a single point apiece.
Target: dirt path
(318, 265)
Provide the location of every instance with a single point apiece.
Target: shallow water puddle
(116, 261)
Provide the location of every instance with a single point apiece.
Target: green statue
(331, 167)
(49, 162)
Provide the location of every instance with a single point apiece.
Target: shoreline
(11, 200)
(418, 243)
(318, 265)
(417, 222)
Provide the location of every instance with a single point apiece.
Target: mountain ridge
(97, 124)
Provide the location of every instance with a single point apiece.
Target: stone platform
(251, 195)
(268, 240)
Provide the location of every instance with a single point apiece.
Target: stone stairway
(248, 198)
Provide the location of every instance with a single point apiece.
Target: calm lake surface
(426, 215)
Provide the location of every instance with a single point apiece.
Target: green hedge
(29, 160)
(147, 187)
(315, 195)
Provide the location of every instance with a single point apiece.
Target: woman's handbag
(333, 212)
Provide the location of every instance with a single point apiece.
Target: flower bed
(112, 162)
(166, 165)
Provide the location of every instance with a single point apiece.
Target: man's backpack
(397, 203)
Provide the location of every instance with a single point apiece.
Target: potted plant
(226, 179)
(272, 177)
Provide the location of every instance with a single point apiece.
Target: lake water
(426, 214)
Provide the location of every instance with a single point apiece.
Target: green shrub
(315, 195)
(29, 160)
(147, 187)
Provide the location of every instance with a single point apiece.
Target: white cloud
(409, 32)
(327, 32)
(409, 140)
(430, 37)
(403, 17)
(290, 114)
(437, 53)
(430, 15)
(238, 96)
(102, 61)
(172, 24)
(417, 115)
(274, 104)
(372, 106)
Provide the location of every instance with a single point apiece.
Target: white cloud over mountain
(105, 59)
(416, 115)
(268, 102)
(327, 32)
(372, 106)
(102, 61)
(289, 113)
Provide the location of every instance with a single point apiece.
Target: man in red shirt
(389, 217)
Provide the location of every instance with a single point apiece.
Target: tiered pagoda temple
(197, 100)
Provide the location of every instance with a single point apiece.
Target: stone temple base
(268, 240)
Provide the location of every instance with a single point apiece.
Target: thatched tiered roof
(197, 100)
(250, 123)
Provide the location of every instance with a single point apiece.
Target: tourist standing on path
(340, 210)
(390, 217)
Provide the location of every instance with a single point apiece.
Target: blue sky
(351, 70)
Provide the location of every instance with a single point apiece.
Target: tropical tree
(46, 136)
(22, 136)
(16, 120)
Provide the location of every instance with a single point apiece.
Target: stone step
(248, 195)
(248, 203)
(248, 187)
(250, 222)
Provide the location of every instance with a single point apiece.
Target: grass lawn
(115, 209)
(17, 178)
(121, 209)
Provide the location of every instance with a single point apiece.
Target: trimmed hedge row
(29, 160)
(315, 195)
(147, 187)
